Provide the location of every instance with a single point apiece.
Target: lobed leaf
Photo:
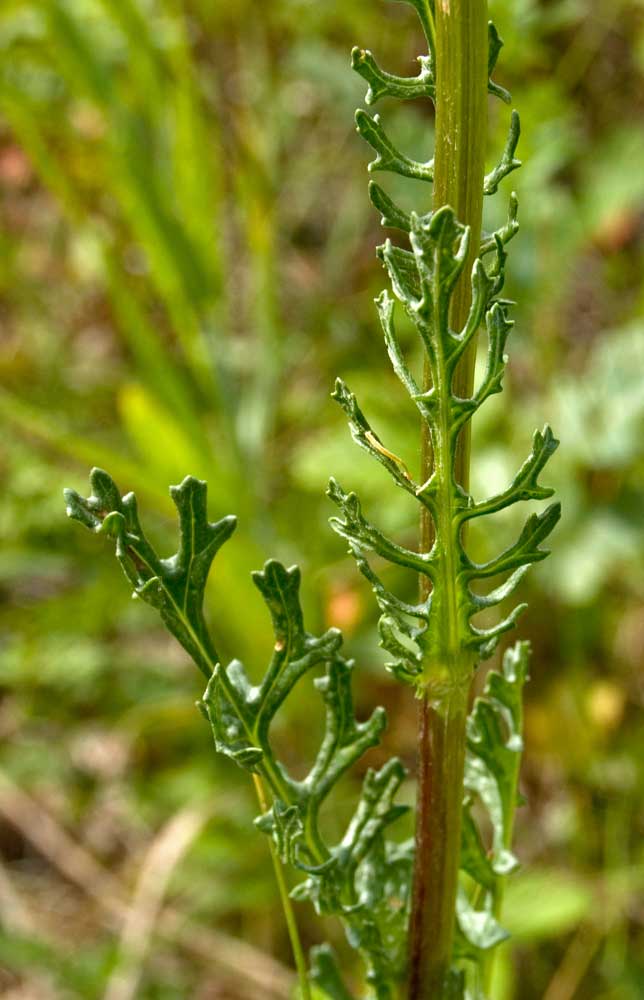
(493, 757)
(495, 43)
(392, 216)
(326, 975)
(241, 713)
(174, 586)
(423, 280)
(388, 157)
(508, 161)
(383, 84)
(434, 644)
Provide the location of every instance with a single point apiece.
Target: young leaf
(494, 747)
(174, 586)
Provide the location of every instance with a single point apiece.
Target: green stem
(459, 162)
(287, 906)
(459, 169)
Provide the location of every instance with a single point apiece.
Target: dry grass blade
(163, 856)
(254, 970)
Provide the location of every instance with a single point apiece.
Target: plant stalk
(287, 906)
(459, 168)
(440, 791)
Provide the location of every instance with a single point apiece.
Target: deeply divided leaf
(356, 878)
(175, 585)
(424, 638)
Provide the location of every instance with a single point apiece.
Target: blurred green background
(187, 262)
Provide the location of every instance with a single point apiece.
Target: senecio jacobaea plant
(423, 914)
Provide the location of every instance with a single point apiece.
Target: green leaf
(364, 436)
(392, 216)
(339, 877)
(174, 586)
(435, 644)
(506, 232)
(325, 974)
(228, 705)
(440, 246)
(364, 876)
(403, 272)
(525, 550)
(423, 280)
(383, 84)
(508, 161)
(477, 929)
(284, 824)
(241, 715)
(493, 757)
(495, 45)
(363, 536)
(388, 157)
(494, 746)
(525, 485)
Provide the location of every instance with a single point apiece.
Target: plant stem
(459, 167)
(440, 792)
(459, 161)
(287, 906)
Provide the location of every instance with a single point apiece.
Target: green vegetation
(405, 931)
(199, 277)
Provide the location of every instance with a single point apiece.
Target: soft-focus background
(187, 262)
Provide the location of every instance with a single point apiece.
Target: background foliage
(188, 262)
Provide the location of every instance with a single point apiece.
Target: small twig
(287, 907)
